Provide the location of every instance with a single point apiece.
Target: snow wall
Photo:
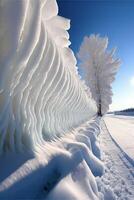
(41, 94)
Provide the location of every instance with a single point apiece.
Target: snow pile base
(66, 169)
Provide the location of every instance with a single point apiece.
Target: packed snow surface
(117, 183)
(121, 128)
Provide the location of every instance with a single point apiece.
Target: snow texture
(41, 94)
(64, 170)
(41, 99)
(120, 128)
(117, 183)
(100, 69)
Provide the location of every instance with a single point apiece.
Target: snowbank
(41, 95)
(41, 99)
(64, 170)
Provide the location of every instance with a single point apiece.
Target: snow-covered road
(121, 129)
(119, 174)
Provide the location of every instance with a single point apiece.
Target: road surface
(119, 173)
(121, 128)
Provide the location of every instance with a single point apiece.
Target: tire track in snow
(119, 173)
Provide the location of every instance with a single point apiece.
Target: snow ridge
(41, 95)
(67, 171)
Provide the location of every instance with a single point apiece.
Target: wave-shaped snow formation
(41, 95)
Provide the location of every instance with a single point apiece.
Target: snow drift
(65, 170)
(41, 95)
(41, 99)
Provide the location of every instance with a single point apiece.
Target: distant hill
(128, 111)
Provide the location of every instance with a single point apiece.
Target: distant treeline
(126, 110)
(122, 111)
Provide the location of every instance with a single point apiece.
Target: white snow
(64, 170)
(41, 94)
(68, 169)
(78, 185)
(121, 129)
(41, 98)
(117, 183)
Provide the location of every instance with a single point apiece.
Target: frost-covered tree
(100, 67)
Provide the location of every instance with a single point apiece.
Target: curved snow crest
(65, 172)
(41, 95)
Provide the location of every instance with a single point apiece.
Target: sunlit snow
(50, 142)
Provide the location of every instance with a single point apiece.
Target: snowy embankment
(121, 130)
(67, 173)
(42, 101)
(41, 94)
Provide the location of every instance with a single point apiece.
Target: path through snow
(121, 129)
(119, 176)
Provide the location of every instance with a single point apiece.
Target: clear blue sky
(114, 19)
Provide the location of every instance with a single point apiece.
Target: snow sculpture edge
(41, 95)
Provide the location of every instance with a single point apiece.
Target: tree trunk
(99, 109)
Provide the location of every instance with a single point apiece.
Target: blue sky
(114, 19)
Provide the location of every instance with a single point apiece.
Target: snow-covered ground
(49, 147)
(65, 170)
(121, 129)
(70, 169)
(118, 179)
